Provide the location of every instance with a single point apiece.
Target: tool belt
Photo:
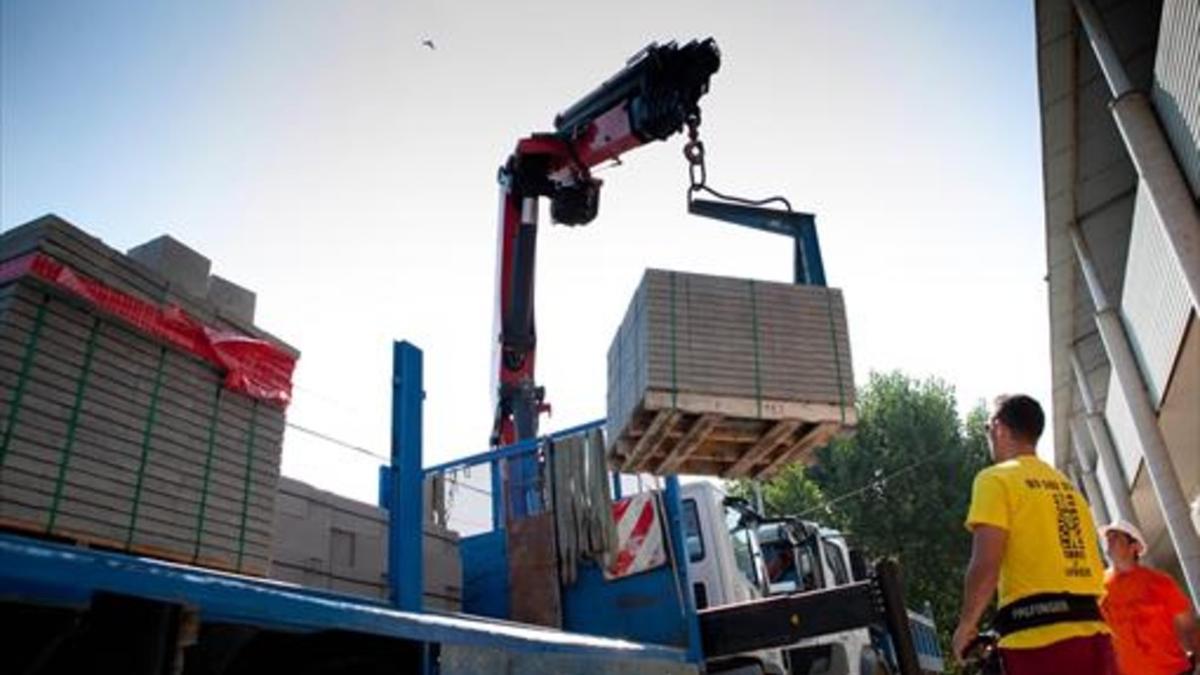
(1045, 609)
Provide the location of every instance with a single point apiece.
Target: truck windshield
(781, 564)
(837, 564)
(743, 549)
(790, 567)
(691, 531)
(808, 569)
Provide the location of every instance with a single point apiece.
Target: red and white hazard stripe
(639, 536)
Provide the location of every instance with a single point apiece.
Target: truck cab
(725, 563)
(736, 556)
(802, 556)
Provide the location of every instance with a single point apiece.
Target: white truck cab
(804, 556)
(725, 565)
(734, 556)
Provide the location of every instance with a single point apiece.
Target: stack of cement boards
(728, 377)
(327, 541)
(113, 439)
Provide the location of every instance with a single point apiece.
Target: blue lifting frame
(808, 267)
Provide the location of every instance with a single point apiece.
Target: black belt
(1045, 609)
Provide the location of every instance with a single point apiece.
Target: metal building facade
(1093, 188)
(1176, 91)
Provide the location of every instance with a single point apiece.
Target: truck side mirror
(858, 565)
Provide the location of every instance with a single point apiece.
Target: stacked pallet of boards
(140, 409)
(727, 377)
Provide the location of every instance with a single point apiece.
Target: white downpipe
(1145, 422)
(1151, 154)
(1106, 451)
(1084, 469)
(1106, 54)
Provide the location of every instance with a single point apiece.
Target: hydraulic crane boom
(650, 99)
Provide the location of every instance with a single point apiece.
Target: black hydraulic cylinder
(662, 84)
(517, 322)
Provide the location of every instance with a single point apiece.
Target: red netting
(253, 367)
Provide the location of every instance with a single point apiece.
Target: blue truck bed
(52, 575)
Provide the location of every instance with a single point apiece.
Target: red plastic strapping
(253, 367)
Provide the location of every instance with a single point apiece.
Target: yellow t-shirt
(1051, 546)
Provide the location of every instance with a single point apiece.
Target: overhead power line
(875, 484)
(338, 442)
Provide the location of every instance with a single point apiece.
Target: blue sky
(319, 155)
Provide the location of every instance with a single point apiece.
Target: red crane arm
(650, 99)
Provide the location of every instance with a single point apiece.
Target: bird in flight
(429, 43)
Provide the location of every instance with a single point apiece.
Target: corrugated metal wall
(1176, 91)
(1155, 301)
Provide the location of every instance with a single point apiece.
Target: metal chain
(693, 152)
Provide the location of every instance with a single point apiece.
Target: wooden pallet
(91, 541)
(724, 436)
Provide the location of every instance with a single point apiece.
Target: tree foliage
(900, 486)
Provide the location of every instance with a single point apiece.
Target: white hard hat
(1126, 527)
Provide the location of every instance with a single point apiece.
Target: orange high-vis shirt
(1140, 607)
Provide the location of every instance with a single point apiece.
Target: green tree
(900, 486)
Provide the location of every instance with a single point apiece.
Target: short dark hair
(1022, 415)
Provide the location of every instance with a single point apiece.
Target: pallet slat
(683, 449)
(663, 421)
(817, 437)
(778, 433)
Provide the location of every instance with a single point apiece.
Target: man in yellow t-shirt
(1033, 539)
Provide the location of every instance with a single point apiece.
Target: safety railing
(477, 493)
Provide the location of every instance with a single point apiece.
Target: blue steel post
(808, 248)
(695, 653)
(405, 577)
(385, 487)
(497, 496)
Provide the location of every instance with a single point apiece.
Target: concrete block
(97, 468)
(333, 542)
(231, 300)
(180, 265)
(87, 255)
